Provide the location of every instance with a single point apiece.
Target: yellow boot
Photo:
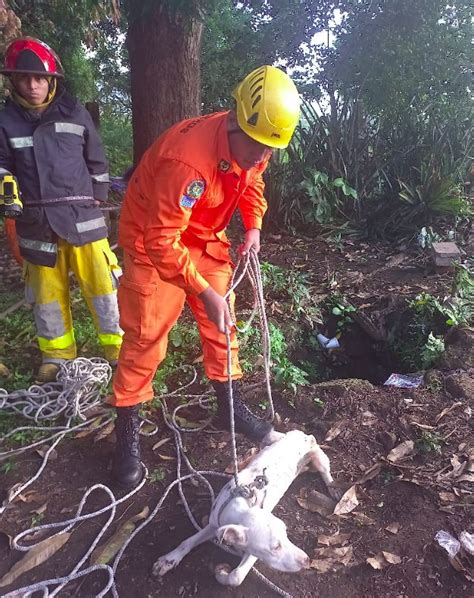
(47, 373)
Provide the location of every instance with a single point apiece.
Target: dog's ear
(233, 535)
(270, 438)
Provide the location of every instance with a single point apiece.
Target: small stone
(4, 371)
(445, 254)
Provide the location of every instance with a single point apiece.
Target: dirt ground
(401, 503)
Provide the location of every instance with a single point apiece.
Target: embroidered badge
(195, 189)
(187, 202)
(224, 166)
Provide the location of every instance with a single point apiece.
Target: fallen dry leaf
(327, 559)
(401, 452)
(447, 497)
(393, 528)
(11, 492)
(90, 429)
(40, 509)
(106, 552)
(166, 457)
(422, 426)
(467, 477)
(148, 429)
(28, 496)
(369, 418)
(347, 503)
(383, 559)
(334, 540)
(391, 558)
(184, 423)
(458, 466)
(42, 450)
(104, 432)
(35, 556)
(316, 502)
(160, 443)
(363, 519)
(4, 371)
(377, 562)
(370, 473)
(447, 410)
(335, 431)
(243, 461)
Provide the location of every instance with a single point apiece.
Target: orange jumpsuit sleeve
(167, 219)
(252, 204)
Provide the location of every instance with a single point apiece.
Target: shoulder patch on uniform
(187, 202)
(195, 189)
(224, 165)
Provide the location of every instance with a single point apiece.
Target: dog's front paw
(163, 565)
(222, 573)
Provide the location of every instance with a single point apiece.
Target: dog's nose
(306, 562)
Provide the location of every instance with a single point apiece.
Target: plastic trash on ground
(327, 343)
(448, 542)
(404, 380)
(459, 551)
(467, 542)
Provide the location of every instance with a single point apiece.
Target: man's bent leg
(149, 307)
(214, 343)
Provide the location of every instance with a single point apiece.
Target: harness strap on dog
(246, 491)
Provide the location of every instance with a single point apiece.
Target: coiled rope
(79, 389)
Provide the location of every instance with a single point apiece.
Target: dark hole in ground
(358, 356)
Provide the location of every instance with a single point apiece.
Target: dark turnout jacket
(59, 161)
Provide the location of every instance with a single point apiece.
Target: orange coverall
(178, 203)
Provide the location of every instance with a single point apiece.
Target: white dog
(242, 518)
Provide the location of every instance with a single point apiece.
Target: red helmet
(30, 55)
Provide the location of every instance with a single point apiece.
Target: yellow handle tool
(10, 202)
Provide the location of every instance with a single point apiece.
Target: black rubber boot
(127, 470)
(246, 422)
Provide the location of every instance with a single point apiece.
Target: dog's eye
(276, 547)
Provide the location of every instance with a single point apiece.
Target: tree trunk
(164, 51)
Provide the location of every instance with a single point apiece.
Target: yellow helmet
(268, 106)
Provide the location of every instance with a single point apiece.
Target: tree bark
(164, 51)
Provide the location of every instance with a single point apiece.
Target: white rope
(74, 394)
(77, 390)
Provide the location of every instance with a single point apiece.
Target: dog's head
(263, 535)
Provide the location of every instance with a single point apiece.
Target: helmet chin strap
(19, 99)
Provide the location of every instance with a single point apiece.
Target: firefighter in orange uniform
(178, 204)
